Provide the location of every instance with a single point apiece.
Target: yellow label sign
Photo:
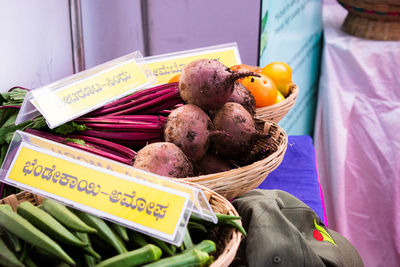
(168, 67)
(109, 165)
(84, 95)
(130, 199)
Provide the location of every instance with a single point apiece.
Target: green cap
(284, 231)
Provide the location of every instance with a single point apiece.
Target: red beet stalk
(139, 143)
(11, 106)
(143, 127)
(132, 136)
(161, 106)
(136, 98)
(106, 144)
(90, 147)
(167, 100)
(134, 102)
(142, 93)
(123, 119)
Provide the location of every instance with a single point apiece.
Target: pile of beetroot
(203, 124)
(213, 131)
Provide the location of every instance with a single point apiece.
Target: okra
(7, 257)
(137, 257)
(65, 216)
(237, 226)
(23, 229)
(29, 262)
(220, 216)
(103, 230)
(197, 226)
(137, 238)
(121, 231)
(226, 217)
(12, 241)
(90, 261)
(46, 223)
(25, 251)
(193, 257)
(62, 264)
(89, 249)
(206, 245)
(187, 240)
(164, 246)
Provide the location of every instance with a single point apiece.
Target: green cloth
(283, 231)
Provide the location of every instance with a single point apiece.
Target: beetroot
(208, 83)
(189, 128)
(212, 164)
(236, 131)
(243, 96)
(164, 158)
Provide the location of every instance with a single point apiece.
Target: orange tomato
(175, 79)
(246, 67)
(255, 69)
(242, 67)
(262, 88)
(258, 70)
(281, 74)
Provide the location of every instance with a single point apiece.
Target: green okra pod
(103, 230)
(66, 216)
(7, 257)
(47, 224)
(138, 257)
(193, 257)
(23, 229)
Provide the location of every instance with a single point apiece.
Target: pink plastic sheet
(357, 139)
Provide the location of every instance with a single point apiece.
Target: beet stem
(238, 75)
(122, 149)
(101, 152)
(126, 127)
(122, 135)
(165, 99)
(86, 147)
(156, 109)
(132, 103)
(10, 106)
(138, 95)
(124, 119)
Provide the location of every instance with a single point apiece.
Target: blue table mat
(297, 174)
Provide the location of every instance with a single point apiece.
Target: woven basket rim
(382, 10)
(279, 110)
(229, 253)
(368, 27)
(236, 170)
(294, 91)
(255, 172)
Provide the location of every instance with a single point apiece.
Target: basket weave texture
(277, 111)
(15, 199)
(232, 240)
(218, 203)
(236, 182)
(372, 19)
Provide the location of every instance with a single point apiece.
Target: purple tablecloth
(297, 174)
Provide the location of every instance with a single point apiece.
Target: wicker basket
(277, 111)
(15, 199)
(372, 19)
(237, 182)
(231, 240)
